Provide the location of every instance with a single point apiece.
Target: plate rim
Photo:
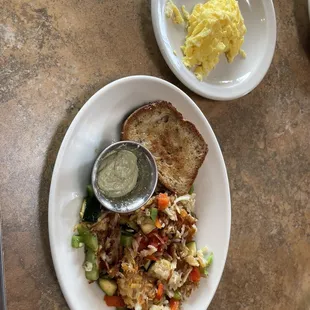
(60, 154)
(270, 11)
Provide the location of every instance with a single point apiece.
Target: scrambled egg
(185, 13)
(173, 12)
(213, 28)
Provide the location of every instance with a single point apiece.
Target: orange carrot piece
(162, 201)
(160, 291)
(114, 301)
(174, 304)
(157, 223)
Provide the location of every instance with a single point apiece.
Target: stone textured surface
(54, 54)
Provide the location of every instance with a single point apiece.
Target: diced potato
(161, 269)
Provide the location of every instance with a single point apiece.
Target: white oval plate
(226, 81)
(97, 125)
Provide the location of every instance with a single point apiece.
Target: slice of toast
(177, 146)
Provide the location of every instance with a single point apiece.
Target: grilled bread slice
(177, 146)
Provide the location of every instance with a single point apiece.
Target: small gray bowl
(146, 183)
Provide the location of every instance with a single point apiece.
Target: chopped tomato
(144, 242)
(157, 223)
(162, 201)
(152, 257)
(194, 276)
(157, 241)
(153, 240)
(114, 301)
(162, 240)
(174, 304)
(160, 291)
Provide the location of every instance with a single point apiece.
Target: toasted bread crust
(169, 170)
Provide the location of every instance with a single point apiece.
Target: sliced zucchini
(90, 190)
(177, 295)
(125, 228)
(204, 271)
(92, 275)
(154, 213)
(83, 207)
(90, 240)
(209, 260)
(129, 230)
(77, 241)
(147, 265)
(90, 256)
(126, 240)
(127, 224)
(91, 265)
(191, 190)
(108, 286)
(133, 225)
(82, 229)
(151, 268)
(147, 226)
(90, 210)
(192, 248)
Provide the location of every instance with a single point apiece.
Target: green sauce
(118, 173)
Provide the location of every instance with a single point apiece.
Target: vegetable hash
(146, 259)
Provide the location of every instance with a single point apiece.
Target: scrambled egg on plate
(213, 28)
(173, 12)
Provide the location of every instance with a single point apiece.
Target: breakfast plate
(225, 81)
(97, 125)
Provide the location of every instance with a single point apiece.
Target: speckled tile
(54, 54)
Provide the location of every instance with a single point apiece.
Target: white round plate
(226, 81)
(97, 125)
